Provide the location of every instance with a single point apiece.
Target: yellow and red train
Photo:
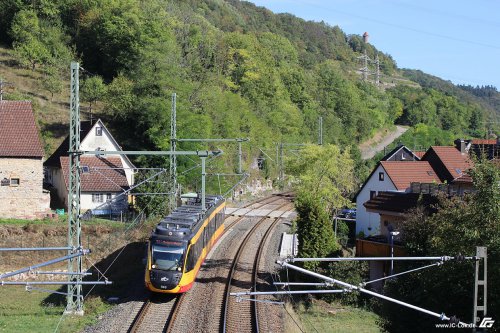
(180, 242)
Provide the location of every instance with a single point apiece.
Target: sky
(456, 40)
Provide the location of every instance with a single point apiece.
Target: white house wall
(106, 142)
(117, 205)
(369, 223)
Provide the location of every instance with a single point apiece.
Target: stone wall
(253, 187)
(27, 199)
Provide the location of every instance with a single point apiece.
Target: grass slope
(324, 317)
(52, 114)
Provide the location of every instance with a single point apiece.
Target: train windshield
(168, 258)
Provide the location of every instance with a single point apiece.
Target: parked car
(348, 213)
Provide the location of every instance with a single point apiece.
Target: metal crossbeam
(200, 153)
(214, 140)
(61, 248)
(79, 253)
(442, 258)
(52, 283)
(238, 140)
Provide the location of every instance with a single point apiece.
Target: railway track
(243, 275)
(162, 316)
(154, 314)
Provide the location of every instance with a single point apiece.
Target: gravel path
(368, 150)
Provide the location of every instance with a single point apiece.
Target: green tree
(119, 98)
(92, 90)
(51, 81)
(325, 172)
(322, 177)
(109, 36)
(26, 32)
(314, 229)
(37, 41)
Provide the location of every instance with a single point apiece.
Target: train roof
(183, 221)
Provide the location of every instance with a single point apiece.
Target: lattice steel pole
(239, 156)
(74, 298)
(480, 301)
(173, 158)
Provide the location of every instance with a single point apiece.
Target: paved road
(376, 144)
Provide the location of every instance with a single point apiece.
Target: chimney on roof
(461, 145)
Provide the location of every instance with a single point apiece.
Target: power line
(428, 10)
(409, 28)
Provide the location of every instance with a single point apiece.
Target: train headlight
(153, 266)
(179, 269)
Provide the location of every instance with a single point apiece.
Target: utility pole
(74, 297)
(281, 171)
(377, 77)
(239, 156)
(481, 253)
(365, 66)
(173, 158)
(320, 131)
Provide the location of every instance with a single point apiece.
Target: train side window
(212, 227)
(190, 259)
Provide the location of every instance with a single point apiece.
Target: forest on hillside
(238, 70)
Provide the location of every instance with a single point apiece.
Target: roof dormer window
(98, 131)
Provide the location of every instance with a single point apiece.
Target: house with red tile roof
(449, 162)
(389, 176)
(21, 170)
(104, 178)
(396, 187)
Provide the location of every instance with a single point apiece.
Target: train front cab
(175, 273)
(165, 265)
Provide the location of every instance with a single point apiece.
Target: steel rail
(260, 252)
(139, 317)
(233, 270)
(255, 323)
(173, 314)
(255, 276)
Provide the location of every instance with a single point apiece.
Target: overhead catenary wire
(401, 273)
(441, 316)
